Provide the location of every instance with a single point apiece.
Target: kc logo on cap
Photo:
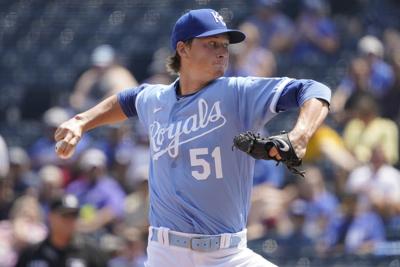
(218, 18)
(202, 23)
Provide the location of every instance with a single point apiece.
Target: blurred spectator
(42, 151)
(132, 251)
(137, 171)
(377, 184)
(63, 247)
(365, 230)
(367, 73)
(381, 74)
(337, 228)
(368, 130)
(25, 227)
(267, 209)
(100, 196)
(21, 176)
(326, 143)
(276, 29)
(51, 185)
(4, 163)
(136, 207)
(106, 77)
(117, 140)
(321, 204)
(296, 242)
(316, 36)
(354, 231)
(355, 81)
(118, 146)
(249, 58)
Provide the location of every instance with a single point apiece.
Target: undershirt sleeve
(127, 99)
(296, 92)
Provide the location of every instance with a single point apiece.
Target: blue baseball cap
(202, 23)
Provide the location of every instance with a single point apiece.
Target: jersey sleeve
(296, 92)
(260, 99)
(257, 99)
(127, 100)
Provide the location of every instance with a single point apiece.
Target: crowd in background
(348, 203)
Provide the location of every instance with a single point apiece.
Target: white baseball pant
(165, 249)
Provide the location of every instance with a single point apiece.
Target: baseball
(63, 155)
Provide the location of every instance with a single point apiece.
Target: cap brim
(235, 36)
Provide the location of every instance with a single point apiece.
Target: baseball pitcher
(199, 187)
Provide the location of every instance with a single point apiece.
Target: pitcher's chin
(219, 72)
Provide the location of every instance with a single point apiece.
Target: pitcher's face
(209, 56)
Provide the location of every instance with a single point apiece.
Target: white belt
(204, 243)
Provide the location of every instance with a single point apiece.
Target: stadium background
(46, 45)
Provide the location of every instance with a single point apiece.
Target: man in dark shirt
(62, 247)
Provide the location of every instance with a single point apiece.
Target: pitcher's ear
(182, 49)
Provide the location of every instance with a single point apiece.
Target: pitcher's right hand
(67, 136)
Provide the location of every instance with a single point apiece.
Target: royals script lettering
(168, 139)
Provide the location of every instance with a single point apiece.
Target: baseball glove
(258, 147)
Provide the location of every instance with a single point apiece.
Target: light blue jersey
(198, 184)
